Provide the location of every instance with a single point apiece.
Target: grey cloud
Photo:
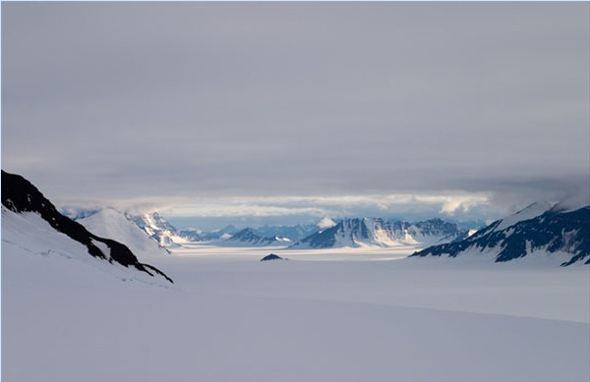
(123, 100)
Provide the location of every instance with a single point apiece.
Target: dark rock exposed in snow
(552, 231)
(19, 195)
(272, 256)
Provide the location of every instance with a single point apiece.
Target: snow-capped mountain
(199, 235)
(531, 211)
(534, 231)
(156, 234)
(75, 212)
(109, 222)
(358, 232)
(191, 235)
(31, 223)
(291, 232)
(157, 228)
(325, 223)
(247, 237)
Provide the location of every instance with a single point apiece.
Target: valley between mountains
(349, 303)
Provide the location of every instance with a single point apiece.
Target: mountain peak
(326, 222)
(563, 235)
(529, 212)
(157, 228)
(370, 231)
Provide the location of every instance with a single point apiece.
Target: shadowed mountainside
(19, 195)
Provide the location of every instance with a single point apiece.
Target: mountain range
(327, 233)
(248, 237)
(199, 235)
(263, 234)
(360, 232)
(538, 230)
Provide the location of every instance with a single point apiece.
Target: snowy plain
(364, 314)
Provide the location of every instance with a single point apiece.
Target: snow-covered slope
(531, 211)
(247, 237)
(31, 223)
(109, 222)
(234, 318)
(158, 228)
(359, 232)
(27, 232)
(562, 235)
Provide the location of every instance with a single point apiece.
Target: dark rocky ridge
(19, 195)
(271, 257)
(552, 231)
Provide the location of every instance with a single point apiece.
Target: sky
(288, 112)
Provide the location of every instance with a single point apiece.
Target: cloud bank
(154, 103)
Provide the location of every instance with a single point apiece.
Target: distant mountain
(112, 223)
(32, 221)
(247, 237)
(76, 213)
(358, 232)
(293, 232)
(105, 219)
(325, 223)
(191, 235)
(157, 228)
(199, 235)
(534, 231)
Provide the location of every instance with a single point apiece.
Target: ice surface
(325, 315)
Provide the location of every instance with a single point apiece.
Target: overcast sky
(298, 110)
